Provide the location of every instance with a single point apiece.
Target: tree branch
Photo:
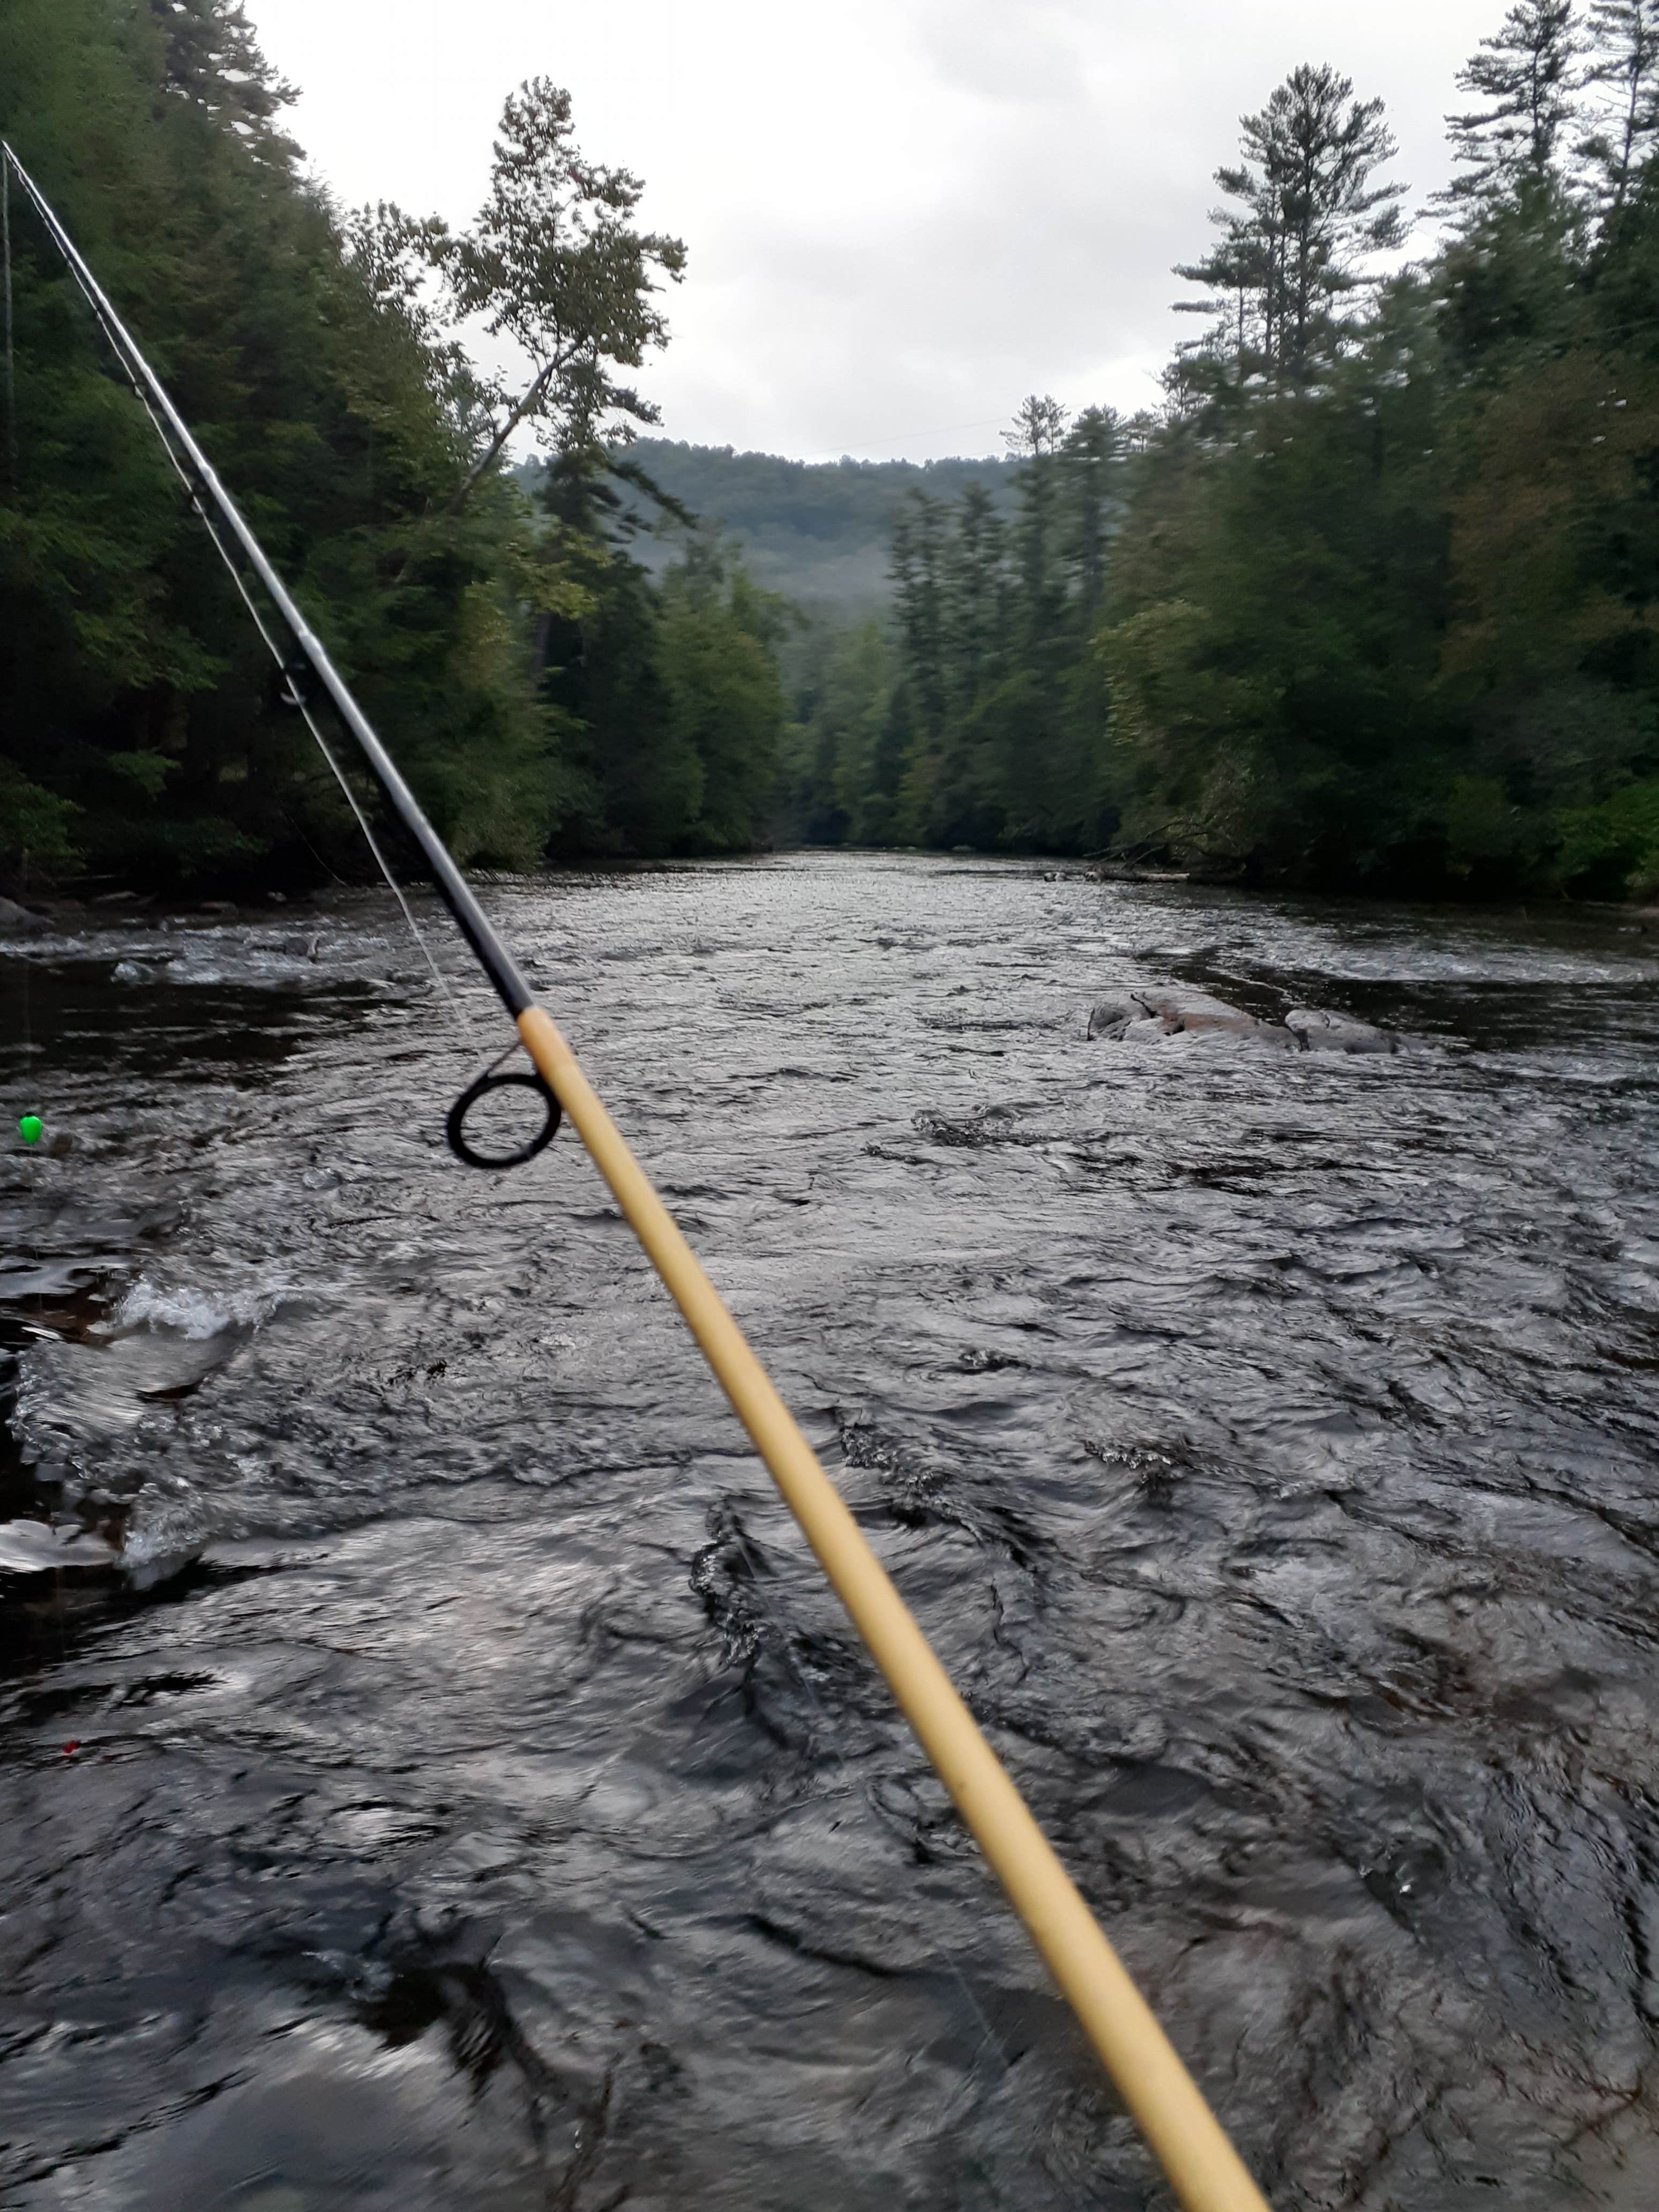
(482, 468)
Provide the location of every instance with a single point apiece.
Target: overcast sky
(901, 214)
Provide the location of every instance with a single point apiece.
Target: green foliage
(141, 732)
(725, 702)
(1396, 624)
(36, 828)
(1307, 217)
(1611, 850)
(1373, 600)
(984, 723)
(670, 689)
(556, 265)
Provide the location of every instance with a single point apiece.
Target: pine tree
(918, 608)
(1527, 72)
(975, 599)
(1093, 455)
(1309, 220)
(213, 61)
(1623, 43)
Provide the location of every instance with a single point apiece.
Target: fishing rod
(1178, 2126)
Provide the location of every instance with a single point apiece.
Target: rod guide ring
(497, 1079)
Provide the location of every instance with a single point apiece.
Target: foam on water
(199, 1313)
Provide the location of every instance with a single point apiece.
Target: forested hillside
(819, 533)
(1374, 596)
(541, 691)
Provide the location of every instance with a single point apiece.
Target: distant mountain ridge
(817, 531)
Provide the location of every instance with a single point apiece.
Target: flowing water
(433, 1774)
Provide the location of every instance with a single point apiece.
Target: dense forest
(542, 692)
(1373, 598)
(1370, 598)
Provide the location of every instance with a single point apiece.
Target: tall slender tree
(555, 262)
(1038, 432)
(1527, 74)
(1307, 222)
(919, 604)
(975, 593)
(1092, 454)
(1623, 68)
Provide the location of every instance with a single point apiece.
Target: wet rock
(1177, 1012)
(1320, 1030)
(1195, 1013)
(35, 1547)
(17, 921)
(1113, 1017)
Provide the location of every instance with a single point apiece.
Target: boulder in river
(1177, 1011)
(1320, 1030)
(18, 921)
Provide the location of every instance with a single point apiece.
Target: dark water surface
(474, 1800)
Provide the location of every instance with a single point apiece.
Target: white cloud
(902, 213)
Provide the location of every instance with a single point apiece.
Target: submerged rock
(1195, 1013)
(1320, 1030)
(1114, 1017)
(17, 921)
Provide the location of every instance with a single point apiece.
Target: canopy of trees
(539, 691)
(1371, 599)
(1375, 597)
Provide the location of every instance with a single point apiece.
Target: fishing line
(292, 692)
(1205, 2170)
(11, 357)
(296, 697)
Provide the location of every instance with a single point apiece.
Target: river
(434, 1775)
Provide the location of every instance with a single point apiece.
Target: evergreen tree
(1093, 457)
(1307, 221)
(1527, 73)
(1623, 43)
(975, 599)
(921, 704)
(140, 732)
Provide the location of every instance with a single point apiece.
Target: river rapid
(435, 1775)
